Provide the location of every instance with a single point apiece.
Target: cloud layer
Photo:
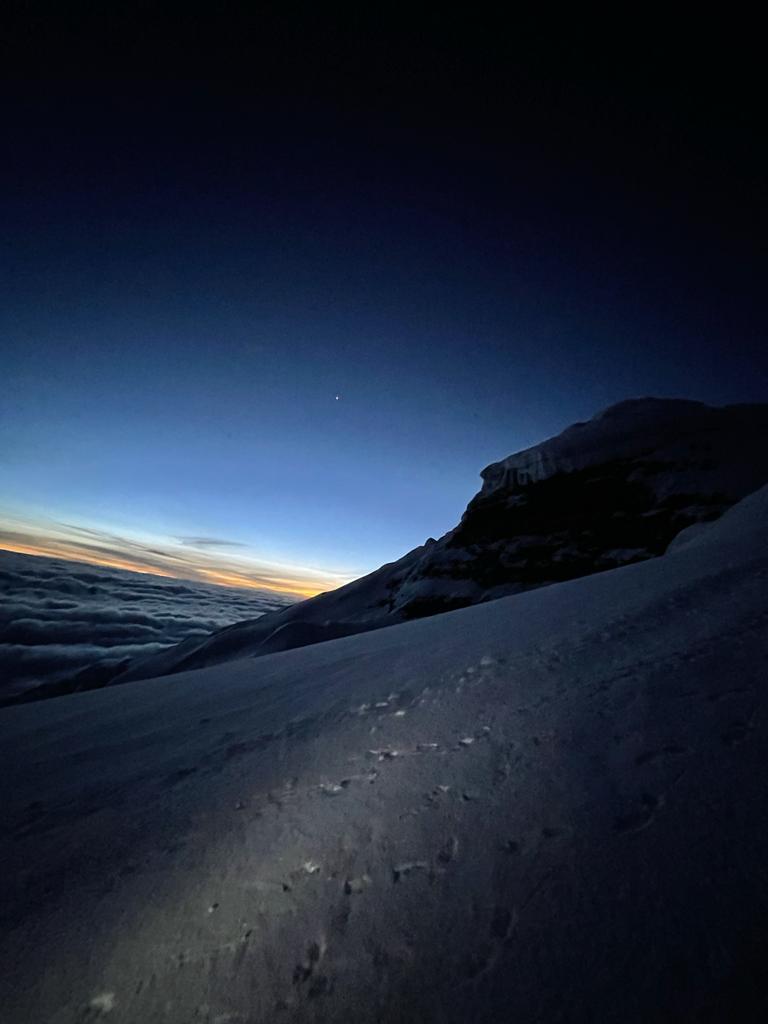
(198, 557)
(59, 617)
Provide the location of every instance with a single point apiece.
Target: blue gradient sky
(189, 281)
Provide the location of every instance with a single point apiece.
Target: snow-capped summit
(612, 491)
(630, 429)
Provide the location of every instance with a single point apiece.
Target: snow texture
(602, 494)
(550, 807)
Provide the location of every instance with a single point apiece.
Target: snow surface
(551, 807)
(634, 476)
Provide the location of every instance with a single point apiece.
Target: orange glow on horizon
(53, 550)
(281, 586)
(220, 577)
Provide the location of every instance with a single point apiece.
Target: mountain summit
(605, 493)
(550, 807)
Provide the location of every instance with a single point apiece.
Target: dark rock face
(572, 506)
(566, 526)
(615, 490)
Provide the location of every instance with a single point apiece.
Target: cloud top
(59, 617)
(189, 557)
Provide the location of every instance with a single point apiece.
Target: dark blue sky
(213, 228)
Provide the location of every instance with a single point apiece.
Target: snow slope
(605, 493)
(551, 807)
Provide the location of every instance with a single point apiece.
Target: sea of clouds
(58, 618)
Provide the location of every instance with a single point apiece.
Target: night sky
(276, 288)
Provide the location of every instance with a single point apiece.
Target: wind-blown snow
(549, 807)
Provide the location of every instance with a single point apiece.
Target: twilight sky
(214, 226)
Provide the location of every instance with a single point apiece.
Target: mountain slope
(609, 492)
(548, 807)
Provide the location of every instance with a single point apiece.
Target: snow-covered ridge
(547, 807)
(628, 430)
(605, 493)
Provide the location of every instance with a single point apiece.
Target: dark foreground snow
(551, 807)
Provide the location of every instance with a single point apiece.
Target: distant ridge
(611, 491)
(550, 807)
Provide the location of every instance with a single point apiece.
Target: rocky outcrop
(615, 490)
